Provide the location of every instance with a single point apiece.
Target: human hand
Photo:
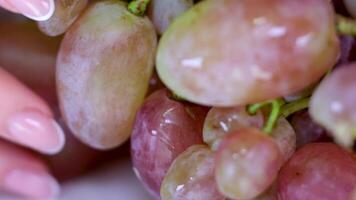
(39, 10)
(26, 118)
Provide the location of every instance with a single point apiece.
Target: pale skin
(26, 120)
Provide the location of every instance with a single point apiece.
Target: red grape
(333, 104)
(103, 71)
(164, 128)
(247, 163)
(191, 176)
(237, 52)
(163, 12)
(318, 171)
(221, 121)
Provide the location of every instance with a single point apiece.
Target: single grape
(333, 104)
(191, 176)
(247, 163)
(318, 171)
(103, 71)
(67, 11)
(221, 121)
(351, 7)
(285, 137)
(29, 56)
(164, 128)
(163, 12)
(306, 129)
(236, 52)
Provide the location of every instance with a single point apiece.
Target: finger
(24, 174)
(25, 118)
(29, 56)
(39, 10)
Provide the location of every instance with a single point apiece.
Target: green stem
(295, 106)
(138, 7)
(253, 108)
(276, 105)
(273, 115)
(345, 25)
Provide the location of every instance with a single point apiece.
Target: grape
(191, 176)
(67, 11)
(164, 128)
(29, 56)
(163, 12)
(103, 70)
(221, 121)
(285, 137)
(333, 104)
(236, 52)
(318, 171)
(306, 129)
(247, 163)
(351, 7)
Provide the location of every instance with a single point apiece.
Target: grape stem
(138, 7)
(295, 106)
(276, 106)
(345, 25)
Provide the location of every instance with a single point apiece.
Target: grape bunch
(221, 99)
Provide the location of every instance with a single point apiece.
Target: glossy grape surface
(247, 163)
(163, 12)
(333, 104)
(164, 128)
(191, 176)
(237, 52)
(103, 71)
(318, 171)
(221, 121)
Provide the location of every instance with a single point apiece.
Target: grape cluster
(222, 99)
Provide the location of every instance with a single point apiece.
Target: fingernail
(31, 184)
(39, 10)
(37, 131)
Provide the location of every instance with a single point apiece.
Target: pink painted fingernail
(31, 184)
(39, 10)
(37, 131)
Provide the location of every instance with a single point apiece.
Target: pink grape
(221, 121)
(333, 104)
(163, 12)
(247, 163)
(191, 176)
(318, 171)
(284, 136)
(164, 128)
(67, 11)
(238, 52)
(103, 69)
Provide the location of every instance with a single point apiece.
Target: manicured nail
(36, 130)
(39, 10)
(31, 184)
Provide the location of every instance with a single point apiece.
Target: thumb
(39, 10)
